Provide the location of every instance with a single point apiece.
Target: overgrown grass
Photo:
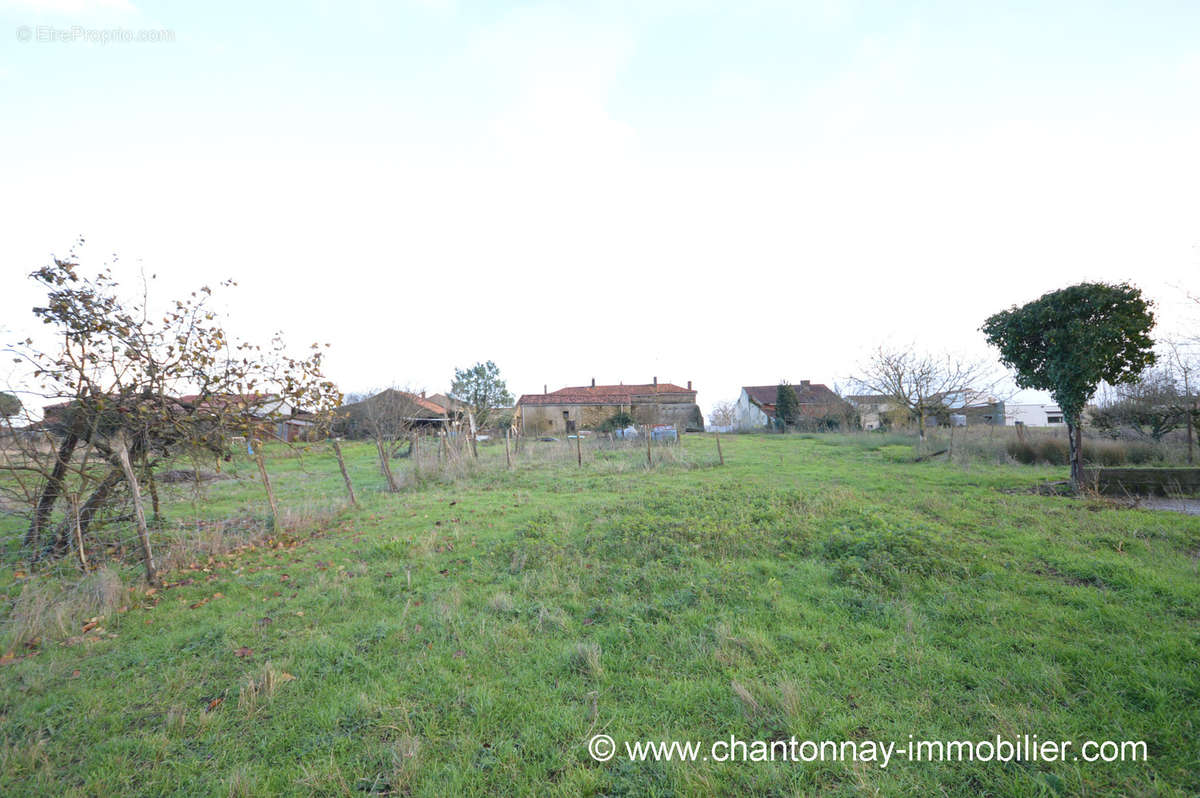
(467, 636)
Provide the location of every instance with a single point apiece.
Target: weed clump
(871, 554)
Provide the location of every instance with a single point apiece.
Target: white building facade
(1033, 415)
(748, 415)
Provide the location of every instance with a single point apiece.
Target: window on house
(1054, 419)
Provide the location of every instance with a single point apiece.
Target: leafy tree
(480, 386)
(618, 420)
(1069, 341)
(787, 405)
(10, 405)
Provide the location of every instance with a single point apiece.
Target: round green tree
(1069, 341)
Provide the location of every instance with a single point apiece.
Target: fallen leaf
(243, 652)
(75, 674)
(216, 702)
(89, 626)
(286, 677)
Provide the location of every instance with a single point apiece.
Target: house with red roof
(755, 407)
(588, 406)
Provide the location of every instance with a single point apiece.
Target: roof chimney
(593, 382)
(689, 385)
(805, 383)
(544, 390)
(656, 380)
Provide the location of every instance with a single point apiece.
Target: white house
(749, 415)
(1033, 415)
(755, 407)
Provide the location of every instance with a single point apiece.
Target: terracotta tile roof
(813, 397)
(808, 393)
(601, 394)
(399, 397)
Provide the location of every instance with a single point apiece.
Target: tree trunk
(1190, 420)
(1075, 441)
(386, 466)
(266, 480)
(153, 490)
(337, 450)
(57, 546)
(52, 489)
(139, 513)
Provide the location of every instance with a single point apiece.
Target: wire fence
(199, 510)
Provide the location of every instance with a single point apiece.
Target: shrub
(1053, 451)
(1022, 452)
(1142, 453)
(1104, 453)
(619, 420)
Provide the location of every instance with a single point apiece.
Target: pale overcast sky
(730, 193)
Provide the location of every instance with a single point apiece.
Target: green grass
(468, 637)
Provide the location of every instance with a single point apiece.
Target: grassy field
(469, 637)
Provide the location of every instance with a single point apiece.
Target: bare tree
(724, 414)
(390, 418)
(921, 383)
(1153, 406)
(1184, 361)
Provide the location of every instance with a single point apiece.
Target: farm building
(958, 409)
(755, 407)
(1031, 415)
(389, 409)
(875, 410)
(589, 406)
(448, 403)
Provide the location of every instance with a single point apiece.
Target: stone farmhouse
(587, 407)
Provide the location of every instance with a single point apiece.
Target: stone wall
(549, 420)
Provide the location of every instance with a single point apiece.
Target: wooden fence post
(139, 512)
(507, 453)
(78, 534)
(649, 461)
(578, 448)
(720, 454)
